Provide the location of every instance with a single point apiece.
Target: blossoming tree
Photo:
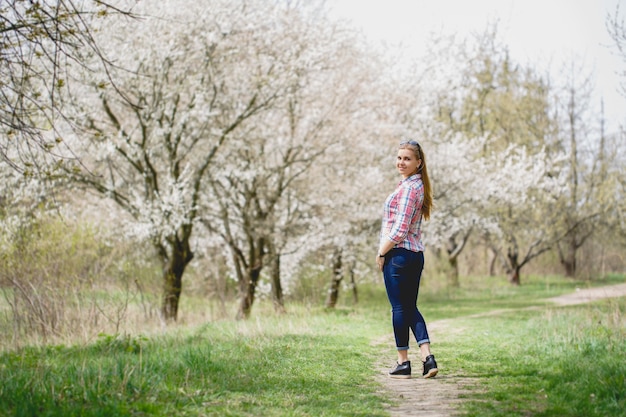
(38, 39)
(196, 74)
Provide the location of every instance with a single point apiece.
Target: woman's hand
(380, 261)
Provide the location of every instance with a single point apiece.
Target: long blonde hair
(428, 193)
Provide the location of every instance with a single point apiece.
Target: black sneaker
(430, 367)
(403, 370)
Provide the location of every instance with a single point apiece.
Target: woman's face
(407, 163)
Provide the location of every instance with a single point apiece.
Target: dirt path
(439, 396)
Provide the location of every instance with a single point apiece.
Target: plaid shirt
(402, 218)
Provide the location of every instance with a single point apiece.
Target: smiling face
(407, 163)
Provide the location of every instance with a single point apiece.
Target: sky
(544, 33)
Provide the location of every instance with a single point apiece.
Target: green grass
(480, 294)
(311, 362)
(295, 366)
(556, 362)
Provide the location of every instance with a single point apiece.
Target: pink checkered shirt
(402, 217)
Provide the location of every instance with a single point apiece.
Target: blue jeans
(402, 272)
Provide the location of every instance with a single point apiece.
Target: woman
(401, 256)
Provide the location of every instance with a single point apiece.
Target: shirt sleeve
(407, 198)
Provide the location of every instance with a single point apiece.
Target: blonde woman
(401, 256)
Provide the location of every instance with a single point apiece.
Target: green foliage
(312, 285)
(59, 279)
(298, 366)
(107, 344)
(550, 362)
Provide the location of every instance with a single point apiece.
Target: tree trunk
(250, 279)
(493, 262)
(454, 249)
(333, 292)
(247, 290)
(453, 273)
(569, 263)
(355, 291)
(277, 288)
(513, 267)
(174, 266)
(568, 257)
(514, 276)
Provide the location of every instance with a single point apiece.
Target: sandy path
(439, 396)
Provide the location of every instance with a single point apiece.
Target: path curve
(440, 396)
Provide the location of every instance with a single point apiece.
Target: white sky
(541, 32)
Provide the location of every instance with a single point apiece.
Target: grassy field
(548, 361)
(568, 361)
